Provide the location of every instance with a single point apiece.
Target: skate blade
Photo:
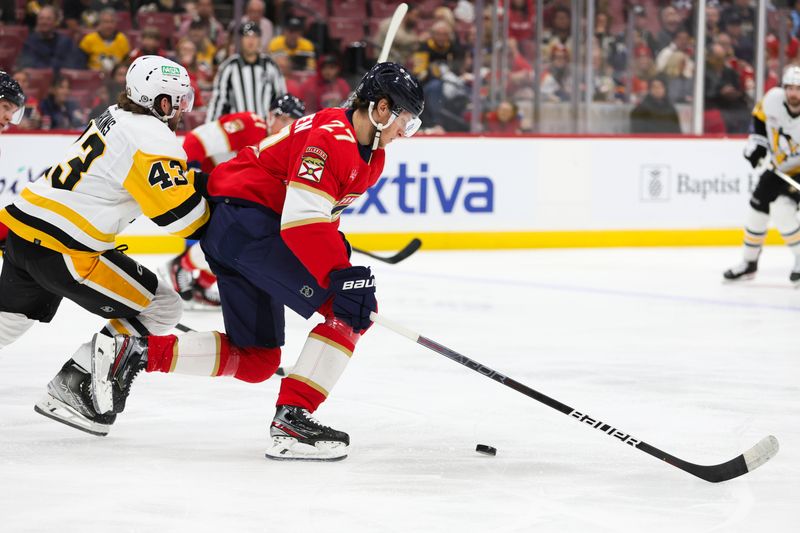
(103, 354)
(288, 449)
(60, 412)
(743, 277)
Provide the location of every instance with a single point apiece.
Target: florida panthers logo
(312, 164)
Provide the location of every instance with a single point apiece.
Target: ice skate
(794, 277)
(69, 401)
(179, 277)
(743, 271)
(115, 363)
(203, 298)
(298, 436)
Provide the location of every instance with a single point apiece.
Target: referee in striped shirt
(248, 81)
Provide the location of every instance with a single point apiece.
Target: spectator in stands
(605, 89)
(149, 45)
(160, 6)
(107, 46)
(742, 42)
(292, 43)
(199, 73)
(326, 88)
(504, 119)
(58, 110)
(440, 48)
(31, 119)
(712, 22)
(642, 33)
(205, 16)
(655, 114)
(561, 28)
(644, 70)
(46, 48)
(742, 11)
(293, 85)
(254, 12)
(100, 102)
(556, 83)
(743, 69)
(723, 92)
(681, 42)
(407, 38)
(249, 81)
(206, 51)
(671, 22)
(679, 79)
(521, 23)
(612, 46)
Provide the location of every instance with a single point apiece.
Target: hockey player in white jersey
(775, 134)
(63, 229)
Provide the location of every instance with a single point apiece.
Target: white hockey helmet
(151, 76)
(791, 75)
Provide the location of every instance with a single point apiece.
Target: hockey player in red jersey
(273, 241)
(215, 142)
(207, 146)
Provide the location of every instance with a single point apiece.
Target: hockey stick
(394, 25)
(787, 178)
(407, 250)
(742, 464)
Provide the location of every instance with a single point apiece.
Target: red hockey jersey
(308, 174)
(215, 142)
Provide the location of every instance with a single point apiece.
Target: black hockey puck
(486, 450)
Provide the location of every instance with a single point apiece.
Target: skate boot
(205, 294)
(69, 401)
(180, 276)
(794, 277)
(298, 436)
(742, 271)
(115, 363)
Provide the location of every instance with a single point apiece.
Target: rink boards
(462, 192)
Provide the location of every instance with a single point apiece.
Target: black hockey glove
(755, 149)
(354, 296)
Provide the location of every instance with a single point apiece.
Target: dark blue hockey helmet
(288, 105)
(392, 81)
(12, 93)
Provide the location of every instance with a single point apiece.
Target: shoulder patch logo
(318, 152)
(312, 164)
(233, 126)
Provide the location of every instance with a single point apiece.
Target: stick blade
(762, 452)
(756, 456)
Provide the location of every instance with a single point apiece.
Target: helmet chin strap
(163, 118)
(378, 127)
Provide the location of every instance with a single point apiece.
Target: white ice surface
(649, 340)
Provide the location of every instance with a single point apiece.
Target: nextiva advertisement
(464, 184)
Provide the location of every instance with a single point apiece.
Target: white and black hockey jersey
(123, 165)
(782, 131)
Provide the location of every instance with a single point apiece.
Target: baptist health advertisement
(518, 192)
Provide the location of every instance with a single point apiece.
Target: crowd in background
(70, 56)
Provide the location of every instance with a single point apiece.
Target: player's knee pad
(257, 364)
(784, 213)
(12, 326)
(164, 311)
